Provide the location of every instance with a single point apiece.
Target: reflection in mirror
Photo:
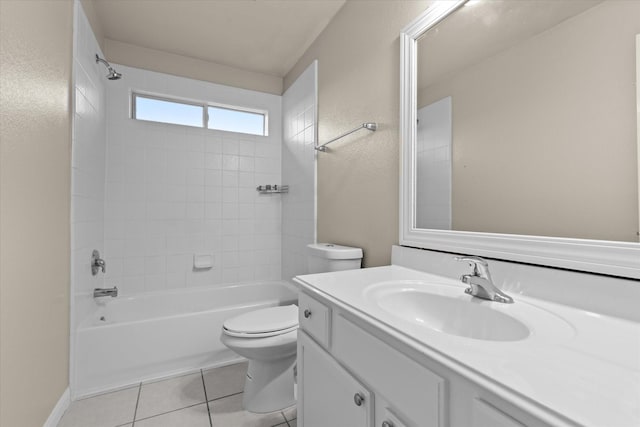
(526, 120)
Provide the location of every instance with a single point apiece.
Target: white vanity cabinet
(328, 394)
(349, 376)
(357, 380)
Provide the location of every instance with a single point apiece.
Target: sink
(448, 309)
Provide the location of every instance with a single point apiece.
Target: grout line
(228, 395)
(286, 420)
(168, 412)
(135, 411)
(206, 399)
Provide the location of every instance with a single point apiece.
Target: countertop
(582, 368)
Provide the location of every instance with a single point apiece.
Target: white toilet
(268, 337)
(324, 257)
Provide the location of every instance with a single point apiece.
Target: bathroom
(86, 190)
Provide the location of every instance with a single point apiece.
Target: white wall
(299, 110)
(173, 191)
(88, 168)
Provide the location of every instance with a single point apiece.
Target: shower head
(113, 74)
(370, 126)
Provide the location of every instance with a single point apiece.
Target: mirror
(519, 130)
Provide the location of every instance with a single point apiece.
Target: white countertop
(582, 368)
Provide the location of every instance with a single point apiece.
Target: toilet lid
(271, 321)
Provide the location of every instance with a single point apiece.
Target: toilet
(325, 257)
(268, 337)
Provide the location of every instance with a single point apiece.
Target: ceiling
(264, 36)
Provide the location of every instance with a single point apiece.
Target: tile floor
(209, 398)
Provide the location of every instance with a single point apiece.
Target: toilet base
(269, 385)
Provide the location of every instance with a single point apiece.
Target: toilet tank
(325, 257)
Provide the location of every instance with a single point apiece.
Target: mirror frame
(597, 256)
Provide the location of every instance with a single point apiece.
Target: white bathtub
(146, 336)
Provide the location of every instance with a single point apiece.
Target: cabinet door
(329, 395)
(385, 416)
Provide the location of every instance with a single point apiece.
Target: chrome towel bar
(369, 126)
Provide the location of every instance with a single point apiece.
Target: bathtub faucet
(105, 292)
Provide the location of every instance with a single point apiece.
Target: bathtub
(147, 336)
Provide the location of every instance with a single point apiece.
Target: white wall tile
(88, 154)
(172, 191)
(298, 171)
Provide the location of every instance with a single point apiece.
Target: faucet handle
(480, 265)
(473, 260)
(97, 263)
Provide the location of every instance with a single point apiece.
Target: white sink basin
(448, 309)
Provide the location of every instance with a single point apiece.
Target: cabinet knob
(387, 424)
(358, 399)
(307, 313)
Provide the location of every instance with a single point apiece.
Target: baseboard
(58, 411)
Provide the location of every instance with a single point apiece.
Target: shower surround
(174, 191)
(150, 196)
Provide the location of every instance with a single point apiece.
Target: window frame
(204, 105)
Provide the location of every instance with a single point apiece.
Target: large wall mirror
(519, 125)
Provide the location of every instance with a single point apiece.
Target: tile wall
(88, 148)
(174, 191)
(88, 168)
(299, 105)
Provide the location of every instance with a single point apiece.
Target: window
(236, 121)
(202, 115)
(164, 111)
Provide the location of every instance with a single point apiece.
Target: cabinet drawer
(418, 395)
(314, 319)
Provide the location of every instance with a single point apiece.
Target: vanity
(398, 347)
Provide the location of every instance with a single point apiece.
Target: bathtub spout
(105, 292)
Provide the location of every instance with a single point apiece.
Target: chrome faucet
(105, 292)
(97, 263)
(480, 282)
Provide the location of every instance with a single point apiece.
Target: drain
(102, 318)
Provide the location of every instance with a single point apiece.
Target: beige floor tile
(228, 412)
(106, 410)
(168, 395)
(291, 413)
(225, 381)
(293, 423)
(194, 416)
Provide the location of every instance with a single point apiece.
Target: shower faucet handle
(97, 263)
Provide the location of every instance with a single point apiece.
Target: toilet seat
(263, 323)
